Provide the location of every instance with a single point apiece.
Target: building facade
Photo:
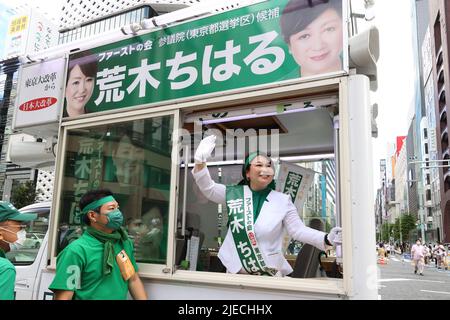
(412, 179)
(401, 194)
(439, 11)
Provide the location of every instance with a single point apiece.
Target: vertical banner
(255, 45)
(294, 181)
(28, 33)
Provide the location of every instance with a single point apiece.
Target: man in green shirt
(7, 279)
(12, 237)
(100, 265)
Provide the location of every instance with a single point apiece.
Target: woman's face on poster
(78, 91)
(317, 48)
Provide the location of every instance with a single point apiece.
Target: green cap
(9, 212)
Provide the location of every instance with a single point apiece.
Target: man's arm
(136, 288)
(63, 295)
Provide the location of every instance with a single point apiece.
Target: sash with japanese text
(241, 222)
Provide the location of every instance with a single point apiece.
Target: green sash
(240, 217)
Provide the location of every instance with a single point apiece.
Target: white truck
(139, 141)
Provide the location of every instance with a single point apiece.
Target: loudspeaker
(364, 51)
(32, 154)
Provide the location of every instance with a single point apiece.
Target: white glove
(204, 149)
(335, 236)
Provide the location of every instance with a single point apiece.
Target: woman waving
(257, 216)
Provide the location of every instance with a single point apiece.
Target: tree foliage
(386, 231)
(408, 224)
(23, 194)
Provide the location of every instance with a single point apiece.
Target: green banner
(293, 182)
(259, 44)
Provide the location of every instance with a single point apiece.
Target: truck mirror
(364, 51)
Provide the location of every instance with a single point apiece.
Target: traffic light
(364, 51)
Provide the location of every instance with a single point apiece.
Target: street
(398, 281)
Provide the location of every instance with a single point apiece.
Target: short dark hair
(91, 196)
(295, 18)
(86, 60)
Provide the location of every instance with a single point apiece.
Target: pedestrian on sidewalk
(418, 255)
(430, 250)
(381, 253)
(427, 254)
(439, 252)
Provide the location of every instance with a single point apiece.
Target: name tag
(125, 265)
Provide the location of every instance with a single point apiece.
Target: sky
(395, 76)
(395, 69)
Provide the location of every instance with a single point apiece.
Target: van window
(297, 138)
(36, 231)
(133, 160)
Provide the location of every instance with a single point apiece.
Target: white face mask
(18, 244)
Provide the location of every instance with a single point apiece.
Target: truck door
(31, 258)
(27, 276)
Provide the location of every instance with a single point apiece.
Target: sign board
(255, 45)
(432, 139)
(294, 181)
(427, 56)
(28, 33)
(5, 15)
(39, 99)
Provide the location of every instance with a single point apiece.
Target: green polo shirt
(7, 279)
(83, 260)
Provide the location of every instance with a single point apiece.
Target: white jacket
(278, 214)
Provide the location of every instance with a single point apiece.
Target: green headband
(250, 158)
(97, 203)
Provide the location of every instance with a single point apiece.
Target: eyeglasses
(15, 226)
